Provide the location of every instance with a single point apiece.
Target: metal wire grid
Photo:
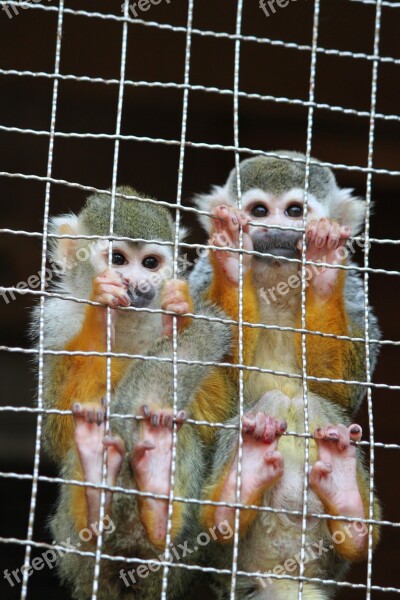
(183, 143)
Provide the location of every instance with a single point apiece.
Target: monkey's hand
(176, 298)
(262, 466)
(226, 233)
(334, 479)
(109, 288)
(325, 243)
(151, 461)
(90, 440)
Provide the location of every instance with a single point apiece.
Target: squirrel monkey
(272, 194)
(78, 383)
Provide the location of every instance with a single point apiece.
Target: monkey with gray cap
(272, 199)
(138, 282)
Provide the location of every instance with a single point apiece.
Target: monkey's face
(145, 267)
(284, 210)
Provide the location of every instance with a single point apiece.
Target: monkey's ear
(207, 202)
(183, 233)
(348, 210)
(62, 249)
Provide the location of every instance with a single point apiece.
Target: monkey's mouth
(140, 298)
(277, 246)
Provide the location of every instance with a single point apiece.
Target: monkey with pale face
(272, 199)
(138, 456)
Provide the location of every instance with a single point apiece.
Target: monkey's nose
(140, 297)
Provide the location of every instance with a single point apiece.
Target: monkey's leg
(334, 479)
(151, 461)
(176, 298)
(262, 466)
(90, 441)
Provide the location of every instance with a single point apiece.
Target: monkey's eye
(259, 211)
(150, 262)
(118, 259)
(294, 211)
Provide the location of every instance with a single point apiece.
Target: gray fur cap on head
(278, 174)
(132, 218)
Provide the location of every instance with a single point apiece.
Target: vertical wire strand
(188, 48)
(32, 508)
(371, 140)
(99, 542)
(310, 122)
(235, 555)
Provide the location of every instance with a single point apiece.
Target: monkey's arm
(80, 379)
(223, 293)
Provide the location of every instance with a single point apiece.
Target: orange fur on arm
(327, 356)
(223, 293)
(80, 379)
(184, 322)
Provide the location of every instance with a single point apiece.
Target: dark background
(91, 47)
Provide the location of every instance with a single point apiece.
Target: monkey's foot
(226, 223)
(325, 242)
(334, 479)
(176, 298)
(90, 441)
(151, 461)
(262, 463)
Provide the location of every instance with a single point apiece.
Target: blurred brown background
(91, 47)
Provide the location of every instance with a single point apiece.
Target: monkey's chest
(276, 357)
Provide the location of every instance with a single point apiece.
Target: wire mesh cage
(168, 96)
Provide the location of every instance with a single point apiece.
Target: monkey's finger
(181, 417)
(331, 433)
(270, 430)
(106, 290)
(323, 229)
(344, 437)
(248, 424)
(100, 417)
(345, 232)
(114, 441)
(319, 470)
(140, 449)
(281, 427)
(113, 278)
(311, 230)
(145, 410)
(181, 308)
(259, 426)
(274, 459)
(173, 296)
(333, 236)
(108, 300)
(220, 214)
(355, 432)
